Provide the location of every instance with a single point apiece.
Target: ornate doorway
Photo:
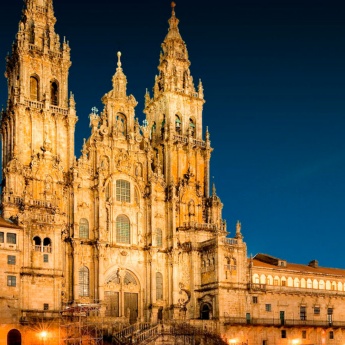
(121, 295)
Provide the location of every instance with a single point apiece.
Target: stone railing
(229, 320)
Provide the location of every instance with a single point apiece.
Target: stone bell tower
(174, 116)
(37, 130)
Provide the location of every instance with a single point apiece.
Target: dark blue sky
(274, 80)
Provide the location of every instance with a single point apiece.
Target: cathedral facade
(131, 229)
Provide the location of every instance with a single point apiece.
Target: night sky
(274, 80)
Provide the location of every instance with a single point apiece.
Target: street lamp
(43, 336)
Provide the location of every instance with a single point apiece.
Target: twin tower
(131, 225)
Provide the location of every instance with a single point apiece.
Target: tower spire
(119, 80)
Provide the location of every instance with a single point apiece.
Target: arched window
(83, 228)
(37, 243)
(47, 245)
(123, 191)
(192, 127)
(34, 88)
(205, 311)
(159, 237)
(14, 337)
(54, 93)
(159, 286)
(84, 282)
(122, 229)
(178, 124)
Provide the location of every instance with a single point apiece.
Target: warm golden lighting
(295, 341)
(43, 334)
(232, 341)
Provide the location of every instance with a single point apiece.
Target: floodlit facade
(130, 232)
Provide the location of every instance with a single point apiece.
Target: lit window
(11, 238)
(83, 228)
(11, 281)
(34, 88)
(84, 282)
(123, 191)
(159, 238)
(159, 286)
(54, 93)
(11, 259)
(122, 229)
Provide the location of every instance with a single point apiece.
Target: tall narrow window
(2, 237)
(303, 312)
(159, 237)
(192, 127)
(54, 93)
(37, 243)
(84, 282)
(34, 88)
(123, 191)
(159, 286)
(47, 245)
(178, 124)
(122, 229)
(83, 228)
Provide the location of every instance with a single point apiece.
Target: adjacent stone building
(130, 231)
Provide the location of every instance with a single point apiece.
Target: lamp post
(43, 336)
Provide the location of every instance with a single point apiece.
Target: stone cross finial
(94, 110)
(119, 64)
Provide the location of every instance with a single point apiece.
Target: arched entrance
(14, 337)
(121, 295)
(205, 311)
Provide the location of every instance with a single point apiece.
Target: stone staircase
(142, 333)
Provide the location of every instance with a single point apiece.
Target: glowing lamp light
(295, 341)
(232, 341)
(43, 334)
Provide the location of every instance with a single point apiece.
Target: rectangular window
(304, 334)
(283, 282)
(268, 307)
(11, 238)
(283, 333)
(331, 335)
(2, 237)
(316, 310)
(45, 258)
(11, 259)
(45, 306)
(255, 299)
(123, 191)
(11, 280)
(329, 311)
(303, 312)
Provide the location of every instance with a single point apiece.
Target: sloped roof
(8, 224)
(258, 262)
